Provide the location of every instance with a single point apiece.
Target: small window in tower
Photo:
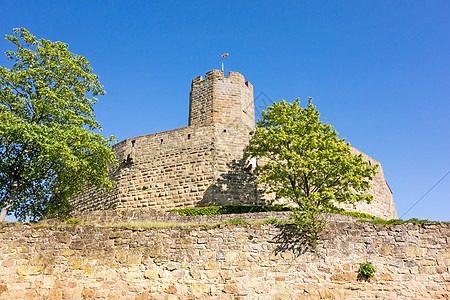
(133, 144)
(162, 141)
(189, 136)
(224, 131)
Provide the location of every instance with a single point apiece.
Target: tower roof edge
(215, 73)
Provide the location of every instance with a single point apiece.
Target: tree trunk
(10, 201)
(4, 212)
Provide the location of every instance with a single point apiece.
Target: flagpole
(223, 56)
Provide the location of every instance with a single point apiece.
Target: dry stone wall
(108, 217)
(222, 262)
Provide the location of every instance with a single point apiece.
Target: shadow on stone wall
(97, 198)
(237, 186)
(290, 239)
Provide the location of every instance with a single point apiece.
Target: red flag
(224, 55)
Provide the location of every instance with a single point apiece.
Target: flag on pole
(223, 56)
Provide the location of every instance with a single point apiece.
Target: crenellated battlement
(212, 75)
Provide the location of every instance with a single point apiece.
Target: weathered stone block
(151, 274)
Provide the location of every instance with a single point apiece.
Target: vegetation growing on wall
(381, 221)
(366, 270)
(228, 209)
(241, 209)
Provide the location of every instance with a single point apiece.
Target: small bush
(146, 224)
(272, 221)
(366, 270)
(241, 209)
(43, 226)
(74, 221)
(417, 221)
(228, 209)
(340, 211)
(381, 221)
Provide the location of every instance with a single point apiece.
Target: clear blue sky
(379, 71)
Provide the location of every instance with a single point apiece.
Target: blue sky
(379, 71)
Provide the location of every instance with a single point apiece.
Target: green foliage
(272, 221)
(417, 221)
(354, 214)
(381, 221)
(240, 209)
(146, 224)
(366, 270)
(235, 221)
(74, 221)
(57, 208)
(227, 209)
(307, 163)
(42, 226)
(49, 151)
(309, 225)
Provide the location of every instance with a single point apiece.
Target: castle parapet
(214, 74)
(219, 75)
(197, 80)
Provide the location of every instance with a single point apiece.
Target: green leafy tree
(307, 163)
(49, 151)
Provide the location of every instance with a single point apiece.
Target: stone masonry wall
(222, 262)
(108, 217)
(383, 203)
(163, 170)
(185, 167)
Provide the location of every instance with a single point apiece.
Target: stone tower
(225, 104)
(201, 164)
(221, 100)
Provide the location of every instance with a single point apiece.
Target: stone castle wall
(383, 203)
(222, 262)
(163, 170)
(198, 165)
(201, 164)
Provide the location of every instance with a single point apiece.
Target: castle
(202, 164)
